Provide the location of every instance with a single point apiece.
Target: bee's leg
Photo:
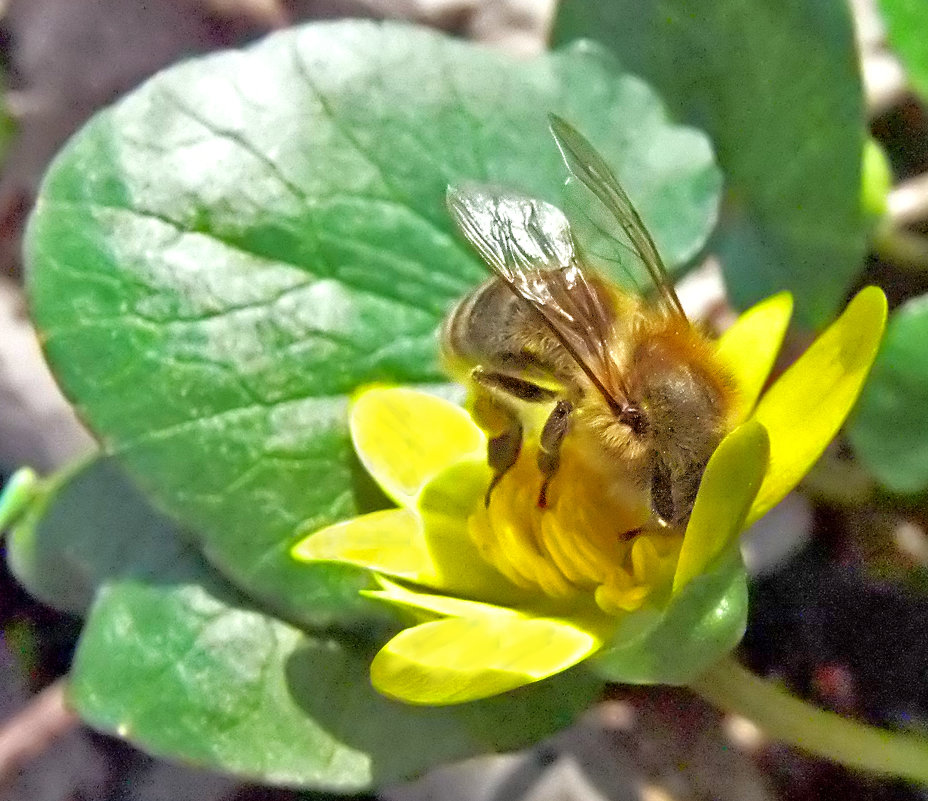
(502, 453)
(494, 411)
(503, 384)
(549, 455)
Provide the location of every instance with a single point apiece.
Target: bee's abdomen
(489, 327)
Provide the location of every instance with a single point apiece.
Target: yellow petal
(462, 659)
(404, 437)
(388, 542)
(434, 603)
(445, 506)
(804, 409)
(729, 484)
(749, 348)
(616, 597)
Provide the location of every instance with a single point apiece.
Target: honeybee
(631, 382)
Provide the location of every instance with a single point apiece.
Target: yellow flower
(508, 594)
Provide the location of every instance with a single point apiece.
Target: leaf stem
(785, 717)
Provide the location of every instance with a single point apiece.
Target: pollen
(587, 541)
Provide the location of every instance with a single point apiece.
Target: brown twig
(907, 250)
(33, 730)
(908, 201)
(258, 15)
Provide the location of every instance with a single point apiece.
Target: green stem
(20, 491)
(785, 717)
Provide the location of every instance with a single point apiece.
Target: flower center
(587, 539)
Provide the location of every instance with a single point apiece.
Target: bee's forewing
(513, 233)
(529, 245)
(610, 204)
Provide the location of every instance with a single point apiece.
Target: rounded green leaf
(73, 539)
(187, 669)
(219, 259)
(174, 659)
(777, 87)
(907, 26)
(889, 431)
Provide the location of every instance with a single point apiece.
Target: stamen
(579, 544)
(619, 596)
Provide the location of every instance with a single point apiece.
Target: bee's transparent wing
(600, 243)
(515, 234)
(528, 244)
(609, 205)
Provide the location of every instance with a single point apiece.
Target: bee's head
(682, 412)
(674, 409)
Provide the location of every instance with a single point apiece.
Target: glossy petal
(445, 506)
(749, 348)
(404, 438)
(804, 409)
(435, 604)
(732, 479)
(388, 542)
(462, 659)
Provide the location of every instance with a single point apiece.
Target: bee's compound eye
(662, 492)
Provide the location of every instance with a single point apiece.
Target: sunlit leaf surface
(219, 259)
(776, 86)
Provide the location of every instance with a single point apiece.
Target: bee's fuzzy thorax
(667, 340)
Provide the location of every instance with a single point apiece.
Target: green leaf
(74, 537)
(908, 34)
(219, 259)
(71, 539)
(174, 659)
(702, 624)
(889, 430)
(187, 669)
(777, 88)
